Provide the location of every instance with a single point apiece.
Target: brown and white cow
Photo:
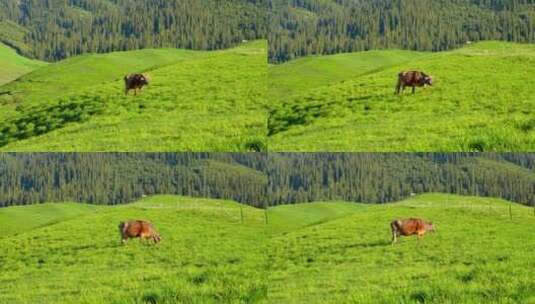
(411, 226)
(412, 79)
(138, 229)
(135, 82)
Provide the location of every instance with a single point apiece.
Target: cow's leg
(398, 87)
(413, 89)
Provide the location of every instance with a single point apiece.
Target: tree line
(56, 29)
(118, 178)
(387, 177)
(303, 27)
(261, 179)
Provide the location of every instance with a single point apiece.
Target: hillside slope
(54, 30)
(197, 101)
(311, 72)
(482, 100)
(19, 219)
(305, 27)
(477, 255)
(12, 65)
(207, 255)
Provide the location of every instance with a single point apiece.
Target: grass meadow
(196, 101)
(12, 66)
(215, 251)
(341, 253)
(72, 253)
(482, 100)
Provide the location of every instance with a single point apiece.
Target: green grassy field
(328, 252)
(343, 254)
(197, 101)
(12, 65)
(69, 253)
(482, 100)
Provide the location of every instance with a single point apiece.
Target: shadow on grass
(380, 243)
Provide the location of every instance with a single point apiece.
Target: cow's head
(144, 79)
(428, 80)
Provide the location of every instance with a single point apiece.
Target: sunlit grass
(482, 100)
(197, 101)
(208, 254)
(478, 255)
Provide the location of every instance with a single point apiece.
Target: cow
(138, 229)
(412, 79)
(135, 82)
(410, 226)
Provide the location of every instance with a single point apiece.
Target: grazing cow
(410, 226)
(138, 229)
(135, 82)
(412, 79)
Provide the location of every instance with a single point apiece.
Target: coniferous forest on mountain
(117, 178)
(260, 179)
(56, 29)
(305, 27)
(387, 177)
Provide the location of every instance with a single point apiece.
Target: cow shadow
(379, 243)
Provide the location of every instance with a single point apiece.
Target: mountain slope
(176, 112)
(54, 30)
(304, 27)
(16, 220)
(207, 254)
(387, 177)
(315, 71)
(120, 178)
(477, 255)
(482, 100)
(12, 65)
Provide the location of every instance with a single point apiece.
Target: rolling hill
(482, 100)
(344, 255)
(12, 65)
(197, 101)
(305, 27)
(55, 30)
(207, 254)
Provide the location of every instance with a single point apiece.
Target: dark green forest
(261, 179)
(386, 177)
(303, 27)
(55, 29)
(116, 178)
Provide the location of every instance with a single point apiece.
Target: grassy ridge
(207, 255)
(311, 72)
(483, 100)
(197, 101)
(19, 219)
(12, 65)
(478, 255)
(334, 252)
